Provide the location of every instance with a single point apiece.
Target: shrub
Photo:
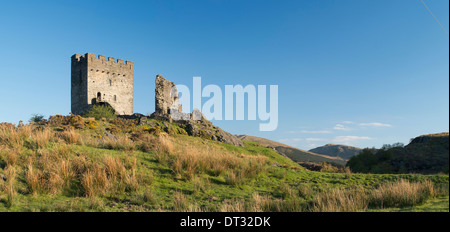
(92, 124)
(36, 118)
(101, 111)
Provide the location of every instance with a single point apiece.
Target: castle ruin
(167, 101)
(100, 81)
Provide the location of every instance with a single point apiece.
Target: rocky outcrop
(205, 129)
(167, 108)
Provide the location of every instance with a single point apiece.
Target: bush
(101, 111)
(36, 118)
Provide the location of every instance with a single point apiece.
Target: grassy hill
(426, 154)
(334, 150)
(71, 163)
(293, 153)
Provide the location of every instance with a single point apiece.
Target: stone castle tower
(101, 81)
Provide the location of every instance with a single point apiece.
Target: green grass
(440, 204)
(283, 184)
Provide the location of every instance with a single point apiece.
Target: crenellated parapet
(101, 59)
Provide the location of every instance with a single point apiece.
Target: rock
(213, 199)
(311, 166)
(276, 165)
(207, 130)
(109, 135)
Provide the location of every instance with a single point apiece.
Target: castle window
(115, 98)
(110, 83)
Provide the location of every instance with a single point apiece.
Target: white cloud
(375, 124)
(290, 140)
(349, 139)
(316, 132)
(291, 132)
(315, 139)
(341, 127)
(311, 145)
(314, 142)
(348, 122)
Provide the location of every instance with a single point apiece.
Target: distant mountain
(293, 153)
(426, 154)
(343, 151)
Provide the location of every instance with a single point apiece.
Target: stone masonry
(166, 100)
(167, 108)
(101, 81)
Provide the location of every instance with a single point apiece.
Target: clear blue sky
(359, 72)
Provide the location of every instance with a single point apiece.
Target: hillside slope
(335, 150)
(79, 164)
(424, 154)
(293, 153)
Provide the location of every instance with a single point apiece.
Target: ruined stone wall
(102, 81)
(166, 96)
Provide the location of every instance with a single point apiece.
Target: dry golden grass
(14, 136)
(261, 203)
(181, 202)
(110, 177)
(200, 185)
(287, 192)
(94, 182)
(114, 167)
(33, 179)
(53, 170)
(70, 136)
(397, 194)
(186, 160)
(122, 143)
(235, 178)
(47, 174)
(66, 172)
(149, 197)
(41, 138)
(233, 206)
(305, 191)
(10, 155)
(402, 193)
(9, 187)
(340, 200)
(54, 164)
